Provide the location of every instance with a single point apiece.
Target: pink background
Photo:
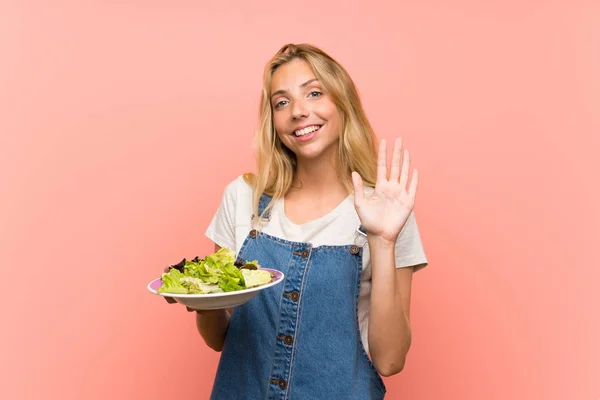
(121, 123)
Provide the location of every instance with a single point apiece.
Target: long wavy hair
(357, 142)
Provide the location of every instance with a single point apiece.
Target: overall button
(295, 296)
(253, 233)
(288, 339)
(282, 384)
(354, 249)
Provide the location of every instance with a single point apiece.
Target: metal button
(295, 296)
(354, 249)
(304, 253)
(253, 233)
(282, 384)
(288, 339)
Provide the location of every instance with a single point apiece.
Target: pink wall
(113, 121)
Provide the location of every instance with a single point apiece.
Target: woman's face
(306, 119)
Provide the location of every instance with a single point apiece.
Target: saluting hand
(384, 214)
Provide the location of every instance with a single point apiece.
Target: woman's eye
(279, 104)
(315, 93)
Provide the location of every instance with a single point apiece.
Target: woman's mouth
(307, 133)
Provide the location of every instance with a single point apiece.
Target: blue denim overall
(300, 339)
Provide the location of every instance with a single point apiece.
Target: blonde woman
(327, 210)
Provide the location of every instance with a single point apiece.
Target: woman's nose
(299, 110)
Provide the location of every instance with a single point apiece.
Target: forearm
(212, 326)
(389, 327)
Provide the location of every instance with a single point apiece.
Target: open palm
(385, 212)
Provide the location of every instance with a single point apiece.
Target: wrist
(211, 314)
(379, 241)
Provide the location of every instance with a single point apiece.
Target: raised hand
(384, 214)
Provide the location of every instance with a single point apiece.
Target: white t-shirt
(233, 220)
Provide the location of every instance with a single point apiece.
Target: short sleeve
(221, 229)
(409, 248)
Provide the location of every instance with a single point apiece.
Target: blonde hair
(357, 143)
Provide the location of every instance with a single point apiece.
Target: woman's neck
(318, 176)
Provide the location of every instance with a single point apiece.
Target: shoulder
(240, 182)
(238, 188)
(233, 210)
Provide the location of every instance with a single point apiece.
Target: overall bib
(298, 340)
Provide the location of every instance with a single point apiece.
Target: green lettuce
(255, 277)
(218, 272)
(172, 282)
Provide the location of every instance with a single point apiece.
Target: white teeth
(306, 130)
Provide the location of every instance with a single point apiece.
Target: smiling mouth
(307, 131)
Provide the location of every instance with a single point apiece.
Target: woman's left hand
(384, 214)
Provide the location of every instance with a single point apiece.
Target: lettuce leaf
(172, 282)
(218, 272)
(256, 277)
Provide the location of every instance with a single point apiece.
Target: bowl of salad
(214, 282)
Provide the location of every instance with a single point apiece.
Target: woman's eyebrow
(281, 91)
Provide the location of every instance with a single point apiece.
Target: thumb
(359, 191)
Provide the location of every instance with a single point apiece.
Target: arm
(383, 215)
(212, 325)
(389, 320)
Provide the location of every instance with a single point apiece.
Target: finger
(359, 193)
(412, 191)
(170, 300)
(405, 168)
(396, 155)
(382, 162)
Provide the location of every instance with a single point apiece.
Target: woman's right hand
(211, 324)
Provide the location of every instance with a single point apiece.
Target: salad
(216, 273)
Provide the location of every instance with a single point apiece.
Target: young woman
(327, 210)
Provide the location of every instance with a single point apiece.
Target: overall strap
(263, 202)
(362, 230)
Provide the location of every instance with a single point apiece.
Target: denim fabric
(300, 339)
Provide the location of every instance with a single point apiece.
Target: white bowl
(215, 301)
